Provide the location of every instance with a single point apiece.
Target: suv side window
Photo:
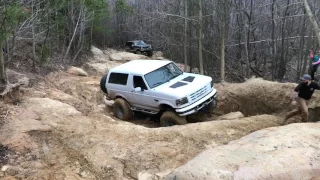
(118, 78)
(138, 82)
(129, 44)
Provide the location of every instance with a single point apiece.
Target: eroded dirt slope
(61, 129)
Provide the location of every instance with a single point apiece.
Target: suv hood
(184, 85)
(145, 45)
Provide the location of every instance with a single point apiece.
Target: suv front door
(142, 98)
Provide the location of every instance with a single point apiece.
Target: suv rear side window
(129, 43)
(118, 78)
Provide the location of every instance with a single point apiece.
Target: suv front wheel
(170, 118)
(121, 109)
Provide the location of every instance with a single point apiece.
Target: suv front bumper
(193, 108)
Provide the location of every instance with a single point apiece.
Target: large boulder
(126, 56)
(96, 51)
(289, 152)
(99, 55)
(158, 55)
(77, 71)
(49, 106)
(96, 68)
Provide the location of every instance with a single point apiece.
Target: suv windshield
(140, 43)
(162, 75)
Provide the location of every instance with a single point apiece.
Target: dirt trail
(84, 141)
(62, 130)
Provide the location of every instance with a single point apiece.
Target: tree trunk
(3, 79)
(185, 35)
(33, 37)
(91, 33)
(283, 61)
(301, 54)
(73, 35)
(312, 20)
(200, 38)
(223, 34)
(273, 43)
(247, 49)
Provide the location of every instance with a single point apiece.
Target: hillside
(60, 127)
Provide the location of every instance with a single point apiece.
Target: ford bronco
(157, 86)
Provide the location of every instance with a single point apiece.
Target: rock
(112, 64)
(157, 55)
(33, 125)
(61, 96)
(146, 176)
(86, 174)
(9, 178)
(35, 93)
(77, 71)
(116, 57)
(181, 66)
(20, 142)
(126, 56)
(49, 106)
(97, 68)
(109, 51)
(232, 115)
(195, 70)
(96, 51)
(5, 167)
(24, 114)
(108, 102)
(278, 152)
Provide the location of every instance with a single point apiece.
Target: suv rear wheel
(170, 118)
(121, 109)
(103, 84)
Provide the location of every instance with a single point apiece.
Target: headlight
(181, 101)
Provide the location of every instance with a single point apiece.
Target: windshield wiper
(157, 84)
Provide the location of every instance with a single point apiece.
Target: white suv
(157, 86)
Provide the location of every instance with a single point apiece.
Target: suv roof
(140, 67)
(134, 40)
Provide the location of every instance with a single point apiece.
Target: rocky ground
(61, 128)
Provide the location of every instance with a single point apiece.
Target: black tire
(170, 118)
(103, 84)
(138, 52)
(149, 54)
(121, 109)
(210, 107)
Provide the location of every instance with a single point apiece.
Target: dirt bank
(61, 129)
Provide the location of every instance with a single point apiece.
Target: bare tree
(200, 38)
(312, 20)
(185, 51)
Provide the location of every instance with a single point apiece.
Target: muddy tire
(170, 118)
(121, 109)
(150, 53)
(103, 84)
(210, 107)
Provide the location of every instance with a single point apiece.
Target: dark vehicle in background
(139, 47)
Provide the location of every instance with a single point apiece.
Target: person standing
(302, 94)
(315, 63)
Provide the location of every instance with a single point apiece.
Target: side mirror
(137, 89)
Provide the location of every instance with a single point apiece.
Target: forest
(228, 40)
